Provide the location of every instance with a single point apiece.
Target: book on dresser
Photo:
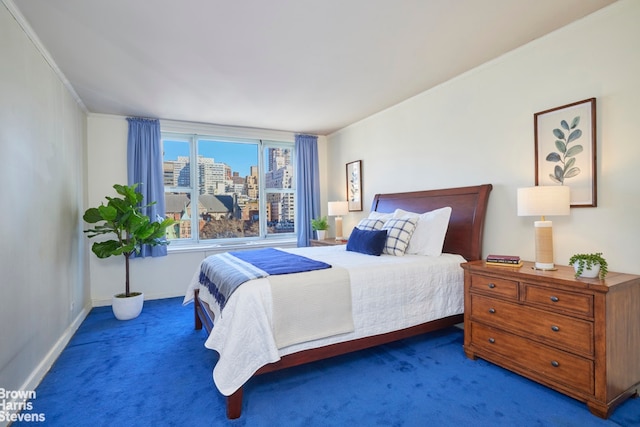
(504, 264)
(503, 259)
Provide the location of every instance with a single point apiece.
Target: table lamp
(338, 209)
(544, 201)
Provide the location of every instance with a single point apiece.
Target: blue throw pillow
(369, 242)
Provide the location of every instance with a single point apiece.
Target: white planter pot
(588, 273)
(322, 234)
(127, 308)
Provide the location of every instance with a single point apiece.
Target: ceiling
(295, 65)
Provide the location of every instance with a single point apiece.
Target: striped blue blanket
(223, 273)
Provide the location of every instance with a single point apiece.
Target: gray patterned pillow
(399, 233)
(370, 224)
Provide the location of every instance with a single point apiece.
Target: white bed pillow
(370, 224)
(380, 215)
(399, 231)
(428, 237)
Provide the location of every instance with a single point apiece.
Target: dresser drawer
(571, 334)
(553, 365)
(495, 286)
(559, 300)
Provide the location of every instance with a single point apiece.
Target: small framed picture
(354, 185)
(565, 150)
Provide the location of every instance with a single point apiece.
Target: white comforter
(388, 293)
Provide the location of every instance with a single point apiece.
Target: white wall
(478, 128)
(107, 159)
(44, 293)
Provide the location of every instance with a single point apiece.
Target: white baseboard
(41, 370)
(101, 302)
(43, 367)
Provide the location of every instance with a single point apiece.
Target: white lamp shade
(547, 200)
(338, 208)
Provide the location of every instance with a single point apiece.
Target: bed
(420, 314)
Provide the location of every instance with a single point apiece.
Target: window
(239, 189)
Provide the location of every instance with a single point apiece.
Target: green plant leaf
(574, 151)
(559, 173)
(128, 191)
(561, 146)
(145, 231)
(92, 215)
(564, 125)
(574, 135)
(553, 157)
(569, 163)
(558, 133)
(107, 248)
(553, 178)
(572, 172)
(575, 122)
(136, 223)
(108, 213)
(100, 229)
(321, 223)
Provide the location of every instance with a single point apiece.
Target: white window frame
(191, 133)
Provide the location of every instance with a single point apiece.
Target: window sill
(224, 247)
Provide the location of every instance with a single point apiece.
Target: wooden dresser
(580, 337)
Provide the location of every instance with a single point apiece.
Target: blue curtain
(308, 186)
(144, 167)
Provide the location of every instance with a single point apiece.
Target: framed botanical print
(565, 150)
(354, 185)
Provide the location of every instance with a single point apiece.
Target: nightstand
(328, 242)
(580, 337)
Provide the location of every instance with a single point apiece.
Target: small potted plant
(589, 265)
(320, 226)
(122, 219)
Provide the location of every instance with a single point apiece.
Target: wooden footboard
(204, 317)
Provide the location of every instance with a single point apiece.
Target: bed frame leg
(196, 305)
(198, 321)
(234, 405)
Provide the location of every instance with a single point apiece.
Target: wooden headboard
(468, 210)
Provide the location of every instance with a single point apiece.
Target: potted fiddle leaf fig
(122, 219)
(589, 265)
(320, 226)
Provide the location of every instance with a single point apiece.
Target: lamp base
(339, 229)
(552, 268)
(544, 246)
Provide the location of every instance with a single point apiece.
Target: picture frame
(354, 185)
(565, 150)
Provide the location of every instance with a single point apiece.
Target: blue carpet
(155, 370)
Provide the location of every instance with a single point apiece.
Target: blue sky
(237, 155)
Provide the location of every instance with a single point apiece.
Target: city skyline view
(226, 201)
(239, 156)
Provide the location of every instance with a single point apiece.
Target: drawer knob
(492, 340)
(554, 298)
(555, 363)
(492, 310)
(554, 328)
(491, 285)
